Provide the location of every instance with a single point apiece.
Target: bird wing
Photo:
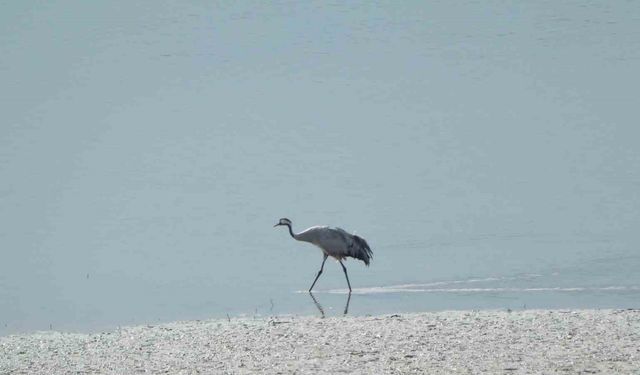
(311, 234)
(337, 242)
(332, 240)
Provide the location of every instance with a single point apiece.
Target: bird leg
(345, 274)
(346, 307)
(319, 272)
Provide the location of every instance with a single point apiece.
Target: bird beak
(276, 225)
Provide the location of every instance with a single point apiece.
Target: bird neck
(291, 231)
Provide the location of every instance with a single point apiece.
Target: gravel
(518, 342)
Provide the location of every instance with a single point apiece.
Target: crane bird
(334, 242)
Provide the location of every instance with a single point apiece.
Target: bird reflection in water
(319, 306)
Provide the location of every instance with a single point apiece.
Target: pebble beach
(508, 342)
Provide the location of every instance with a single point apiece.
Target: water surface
(489, 153)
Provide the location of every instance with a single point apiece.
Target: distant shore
(530, 341)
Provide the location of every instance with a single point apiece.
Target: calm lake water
(488, 151)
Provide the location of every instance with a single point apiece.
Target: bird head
(283, 221)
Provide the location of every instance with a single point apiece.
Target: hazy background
(488, 151)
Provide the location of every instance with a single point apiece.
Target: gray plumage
(337, 243)
(334, 242)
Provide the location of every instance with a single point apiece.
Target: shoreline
(493, 341)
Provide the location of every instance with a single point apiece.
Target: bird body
(334, 242)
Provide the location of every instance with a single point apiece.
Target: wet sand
(531, 341)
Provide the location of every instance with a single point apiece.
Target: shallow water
(489, 153)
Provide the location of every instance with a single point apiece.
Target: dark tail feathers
(361, 250)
